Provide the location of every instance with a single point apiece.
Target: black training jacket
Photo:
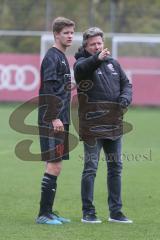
(54, 89)
(108, 82)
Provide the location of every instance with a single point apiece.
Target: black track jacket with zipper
(100, 82)
(109, 82)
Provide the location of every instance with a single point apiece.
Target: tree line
(121, 16)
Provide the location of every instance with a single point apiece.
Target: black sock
(48, 192)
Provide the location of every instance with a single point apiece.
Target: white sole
(117, 221)
(85, 221)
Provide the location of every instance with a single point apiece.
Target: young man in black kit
(54, 116)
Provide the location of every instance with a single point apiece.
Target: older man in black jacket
(102, 85)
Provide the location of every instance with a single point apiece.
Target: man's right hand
(105, 52)
(58, 125)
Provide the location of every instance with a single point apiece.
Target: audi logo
(14, 77)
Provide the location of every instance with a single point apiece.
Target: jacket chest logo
(111, 68)
(99, 72)
(63, 62)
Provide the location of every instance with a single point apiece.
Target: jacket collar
(82, 53)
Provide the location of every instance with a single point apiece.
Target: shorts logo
(59, 150)
(14, 77)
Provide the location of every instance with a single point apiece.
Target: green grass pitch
(20, 186)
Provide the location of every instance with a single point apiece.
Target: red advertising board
(145, 76)
(20, 77)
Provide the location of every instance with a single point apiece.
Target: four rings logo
(14, 77)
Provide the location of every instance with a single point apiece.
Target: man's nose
(97, 46)
(70, 35)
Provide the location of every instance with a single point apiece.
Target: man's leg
(52, 151)
(112, 151)
(48, 191)
(48, 187)
(91, 158)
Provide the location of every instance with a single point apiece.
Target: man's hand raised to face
(105, 52)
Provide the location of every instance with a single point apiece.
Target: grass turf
(20, 186)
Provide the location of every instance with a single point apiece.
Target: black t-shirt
(55, 87)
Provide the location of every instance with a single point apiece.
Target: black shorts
(54, 146)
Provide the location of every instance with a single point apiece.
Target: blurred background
(131, 33)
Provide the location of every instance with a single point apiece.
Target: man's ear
(56, 35)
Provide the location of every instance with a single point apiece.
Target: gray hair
(91, 32)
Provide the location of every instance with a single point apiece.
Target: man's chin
(67, 45)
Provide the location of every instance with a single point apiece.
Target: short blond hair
(60, 22)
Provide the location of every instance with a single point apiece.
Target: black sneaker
(90, 218)
(119, 217)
